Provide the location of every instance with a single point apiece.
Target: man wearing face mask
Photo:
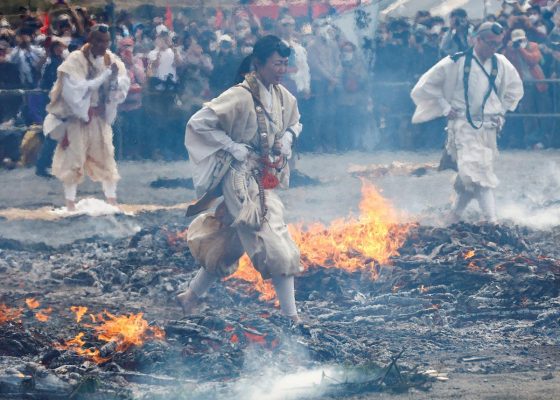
(457, 38)
(526, 57)
(474, 90)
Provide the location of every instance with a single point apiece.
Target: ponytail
(243, 69)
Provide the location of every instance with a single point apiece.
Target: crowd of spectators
(350, 97)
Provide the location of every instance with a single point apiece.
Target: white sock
(462, 201)
(70, 190)
(284, 287)
(110, 189)
(202, 282)
(487, 202)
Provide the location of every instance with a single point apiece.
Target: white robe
(90, 150)
(218, 239)
(205, 137)
(441, 89)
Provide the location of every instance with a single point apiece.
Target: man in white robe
(91, 83)
(225, 141)
(493, 87)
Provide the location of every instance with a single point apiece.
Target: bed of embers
(385, 306)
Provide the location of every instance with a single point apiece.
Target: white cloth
(475, 151)
(204, 137)
(302, 77)
(70, 190)
(441, 89)
(109, 189)
(166, 63)
(89, 149)
(284, 288)
(202, 282)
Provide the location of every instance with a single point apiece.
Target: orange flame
(32, 303)
(79, 311)
(127, 330)
(76, 345)
(473, 267)
(8, 314)
(246, 272)
(43, 315)
(469, 254)
(350, 243)
(124, 331)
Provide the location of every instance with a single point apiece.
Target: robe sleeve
(429, 93)
(118, 93)
(204, 136)
(203, 139)
(511, 87)
(76, 92)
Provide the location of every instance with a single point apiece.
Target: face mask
(508, 9)
(436, 29)
(542, 29)
(533, 18)
(246, 50)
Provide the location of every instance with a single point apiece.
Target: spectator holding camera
(28, 57)
(162, 62)
(457, 38)
(526, 57)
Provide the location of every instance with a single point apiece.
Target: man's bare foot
(188, 301)
(70, 205)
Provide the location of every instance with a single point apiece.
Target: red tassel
(269, 181)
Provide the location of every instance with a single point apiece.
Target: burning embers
(118, 332)
(349, 243)
(8, 314)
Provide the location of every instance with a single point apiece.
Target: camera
(517, 44)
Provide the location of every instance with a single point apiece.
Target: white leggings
(283, 285)
(109, 188)
(485, 198)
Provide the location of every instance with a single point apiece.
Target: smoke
(528, 193)
(283, 379)
(534, 203)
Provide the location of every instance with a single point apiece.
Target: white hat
(518, 34)
(225, 38)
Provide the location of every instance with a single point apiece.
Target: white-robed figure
(90, 84)
(474, 90)
(238, 147)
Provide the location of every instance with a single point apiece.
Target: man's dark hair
(459, 13)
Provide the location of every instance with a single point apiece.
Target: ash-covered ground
(475, 307)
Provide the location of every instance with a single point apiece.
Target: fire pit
(386, 305)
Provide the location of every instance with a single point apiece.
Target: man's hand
(284, 145)
(239, 151)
